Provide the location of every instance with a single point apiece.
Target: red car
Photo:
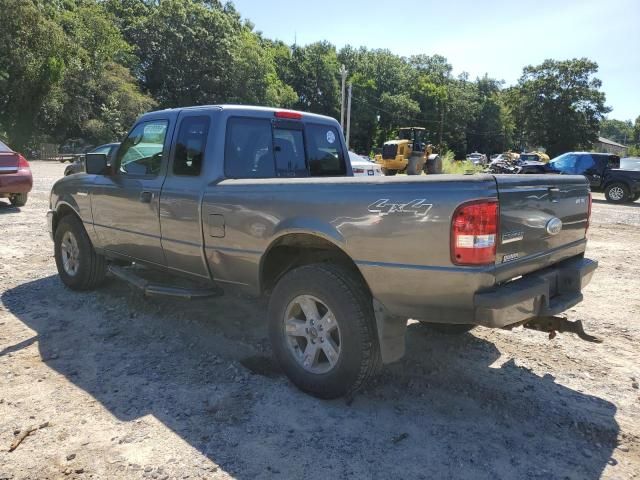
(15, 176)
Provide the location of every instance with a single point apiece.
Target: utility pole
(343, 73)
(441, 125)
(348, 116)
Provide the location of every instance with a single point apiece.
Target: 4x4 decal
(419, 207)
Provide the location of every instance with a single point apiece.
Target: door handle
(146, 197)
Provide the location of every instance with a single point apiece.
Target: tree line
(88, 68)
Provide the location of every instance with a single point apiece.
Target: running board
(154, 289)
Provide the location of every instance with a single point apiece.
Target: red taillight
(358, 170)
(22, 162)
(588, 213)
(474, 230)
(288, 114)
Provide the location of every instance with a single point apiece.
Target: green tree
(617, 130)
(33, 57)
(256, 79)
(560, 105)
(314, 72)
(186, 50)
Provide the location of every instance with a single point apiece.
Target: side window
(288, 146)
(141, 152)
(190, 146)
(324, 151)
(248, 151)
(585, 162)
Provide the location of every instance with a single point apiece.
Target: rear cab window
(265, 148)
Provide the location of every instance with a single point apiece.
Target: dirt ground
(127, 387)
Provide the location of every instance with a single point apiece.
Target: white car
(362, 166)
(477, 158)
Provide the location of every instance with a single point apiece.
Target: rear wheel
(617, 193)
(19, 199)
(389, 172)
(79, 266)
(322, 331)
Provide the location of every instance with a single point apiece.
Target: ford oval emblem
(554, 226)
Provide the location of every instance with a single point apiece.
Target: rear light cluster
(588, 213)
(22, 162)
(474, 230)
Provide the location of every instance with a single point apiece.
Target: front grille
(389, 151)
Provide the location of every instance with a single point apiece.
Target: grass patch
(459, 167)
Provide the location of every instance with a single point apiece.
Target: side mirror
(96, 164)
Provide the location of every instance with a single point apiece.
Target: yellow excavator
(409, 154)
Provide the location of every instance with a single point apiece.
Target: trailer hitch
(554, 324)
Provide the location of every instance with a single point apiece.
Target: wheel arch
(295, 248)
(62, 210)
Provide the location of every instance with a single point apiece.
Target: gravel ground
(118, 386)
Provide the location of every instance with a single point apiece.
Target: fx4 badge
(419, 207)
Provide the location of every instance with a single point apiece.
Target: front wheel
(413, 167)
(617, 193)
(635, 197)
(79, 266)
(321, 325)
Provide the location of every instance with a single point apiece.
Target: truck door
(126, 204)
(587, 165)
(180, 199)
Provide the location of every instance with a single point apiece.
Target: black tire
(19, 199)
(412, 166)
(388, 172)
(91, 267)
(450, 328)
(433, 165)
(635, 197)
(349, 301)
(617, 193)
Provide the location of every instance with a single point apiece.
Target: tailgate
(8, 162)
(540, 217)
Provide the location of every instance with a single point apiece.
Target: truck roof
(241, 109)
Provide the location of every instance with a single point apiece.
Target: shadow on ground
(445, 411)
(6, 207)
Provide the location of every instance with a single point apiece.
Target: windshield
(4, 148)
(531, 157)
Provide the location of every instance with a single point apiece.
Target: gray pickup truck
(265, 199)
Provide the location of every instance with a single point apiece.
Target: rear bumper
(20, 182)
(542, 293)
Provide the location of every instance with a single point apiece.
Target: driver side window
(141, 152)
